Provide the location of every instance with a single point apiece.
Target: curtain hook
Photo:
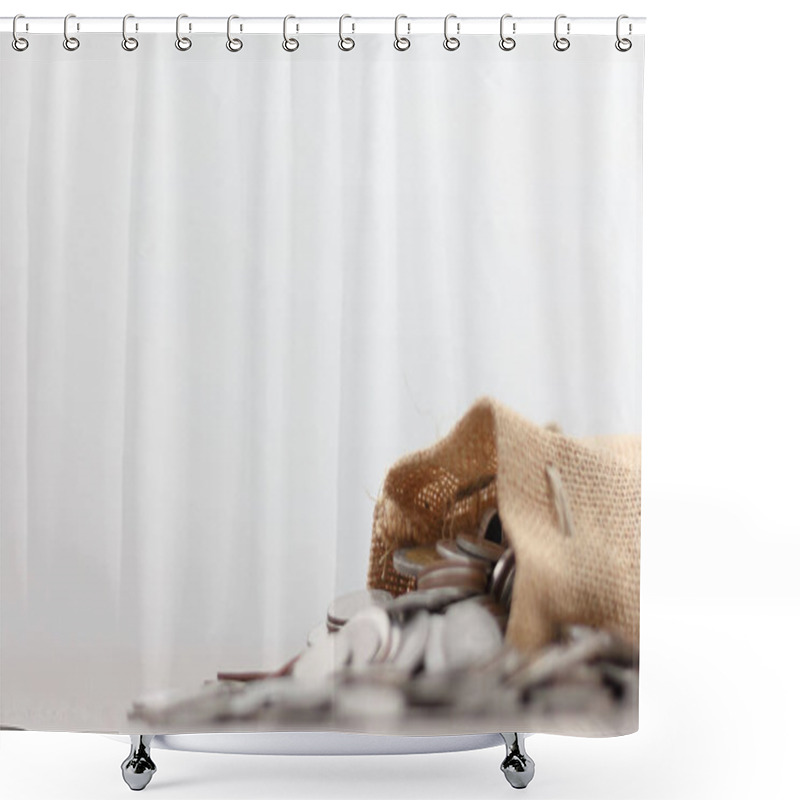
(289, 44)
(451, 42)
(181, 42)
(401, 42)
(561, 43)
(70, 42)
(19, 43)
(506, 42)
(346, 42)
(623, 45)
(234, 45)
(129, 43)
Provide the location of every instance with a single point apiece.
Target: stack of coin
(343, 608)
(481, 562)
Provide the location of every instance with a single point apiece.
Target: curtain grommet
(451, 43)
(401, 43)
(183, 43)
(289, 44)
(233, 44)
(129, 43)
(623, 44)
(507, 43)
(346, 43)
(561, 43)
(71, 43)
(19, 43)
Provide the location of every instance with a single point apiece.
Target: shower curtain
(241, 290)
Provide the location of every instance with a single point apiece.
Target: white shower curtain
(236, 287)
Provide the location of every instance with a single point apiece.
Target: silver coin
(410, 561)
(412, 646)
(460, 576)
(470, 636)
(508, 588)
(500, 572)
(447, 548)
(395, 638)
(481, 548)
(617, 651)
(558, 659)
(317, 633)
(322, 659)
(434, 657)
(429, 600)
(257, 694)
(368, 636)
(348, 605)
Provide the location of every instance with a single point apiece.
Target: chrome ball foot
(517, 766)
(138, 768)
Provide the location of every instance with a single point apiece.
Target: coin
(556, 659)
(323, 658)
(430, 600)
(434, 658)
(502, 576)
(412, 645)
(508, 588)
(316, 633)
(482, 548)
(286, 669)
(470, 636)
(348, 605)
(460, 576)
(448, 549)
(258, 694)
(409, 561)
(368, 636)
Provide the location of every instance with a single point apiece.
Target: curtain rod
(325, 25)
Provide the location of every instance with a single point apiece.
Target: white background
(721, 547)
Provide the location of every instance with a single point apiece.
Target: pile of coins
(435, 652)
(480, 563)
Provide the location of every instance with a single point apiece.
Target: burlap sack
(570, 507)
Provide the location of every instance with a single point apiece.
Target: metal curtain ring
(129, 43)
(451, 42)
(289, 44)
(346, 42)
(19, 43)
(70, 42)
(401, 42)
(506, 42)
(234, 45)
(561, 43)
(623, 45)
(181, 42)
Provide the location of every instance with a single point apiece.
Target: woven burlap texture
(570, 507)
